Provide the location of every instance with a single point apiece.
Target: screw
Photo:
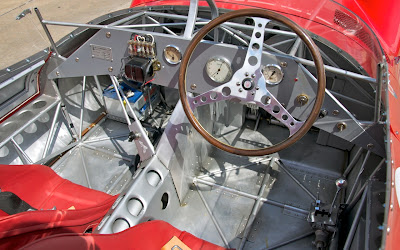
(108, 34)
(335, 112)
(57, 73)
(253, 75)
(110, 69)
(246, 74)
(370, 146)
(341, 126)
(284, 64)
(252, 93)
(193, 86)
(238, 84)
(257, 88)
(240, 90)
(323, 113)
(77, 59)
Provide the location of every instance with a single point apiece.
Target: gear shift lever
(340, 184)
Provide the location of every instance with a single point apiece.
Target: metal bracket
(23, 14)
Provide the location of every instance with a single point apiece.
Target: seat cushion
(42, 188)
(148, 235)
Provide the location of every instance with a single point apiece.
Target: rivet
(108, 34)
(257, 88)
(388, 230)
(391, 207)
(246, 74)
(253, 75)
(193, 86)
(240, 90)
(392, 183)
(370, 146)
(335, 112)
(57, 73)
(238, 84)
(284, 64)
(110, 69)
(77, 59)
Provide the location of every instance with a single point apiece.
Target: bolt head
(335, 112)
(110, 69)
(240, 90)
(193, 86)
(77, 59)
(284, 64)
(108, 34)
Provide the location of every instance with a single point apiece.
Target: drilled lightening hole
(255, 46)
(258, 35)
(213, 95)
(284, 117)
(292, 124)
(164, 201)
(266, 100)
(226, 91)
(253, 60)
(276, 109)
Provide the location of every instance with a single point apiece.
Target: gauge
(272, 73)
(219, 69)
(172, 54)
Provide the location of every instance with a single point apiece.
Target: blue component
(110, 92)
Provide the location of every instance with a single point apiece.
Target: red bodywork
(383, 18)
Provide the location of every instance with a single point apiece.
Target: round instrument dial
(272, 73)
(172, 54)
(219, 69)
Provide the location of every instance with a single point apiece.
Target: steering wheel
(248, 83)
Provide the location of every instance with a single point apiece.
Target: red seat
(77, 208)
(149, 235)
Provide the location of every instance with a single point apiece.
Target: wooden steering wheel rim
(318, 64)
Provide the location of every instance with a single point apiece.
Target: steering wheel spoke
(270, 104)
(255, 49)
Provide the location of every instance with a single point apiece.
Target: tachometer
(272, 73)
(219, 69)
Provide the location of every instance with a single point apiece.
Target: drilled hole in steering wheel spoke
(203, 99)
(213, 95)
(226, 91)
(284, 117)
(266, 100)
(255, 46)
(253, 60)
(276, 109)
